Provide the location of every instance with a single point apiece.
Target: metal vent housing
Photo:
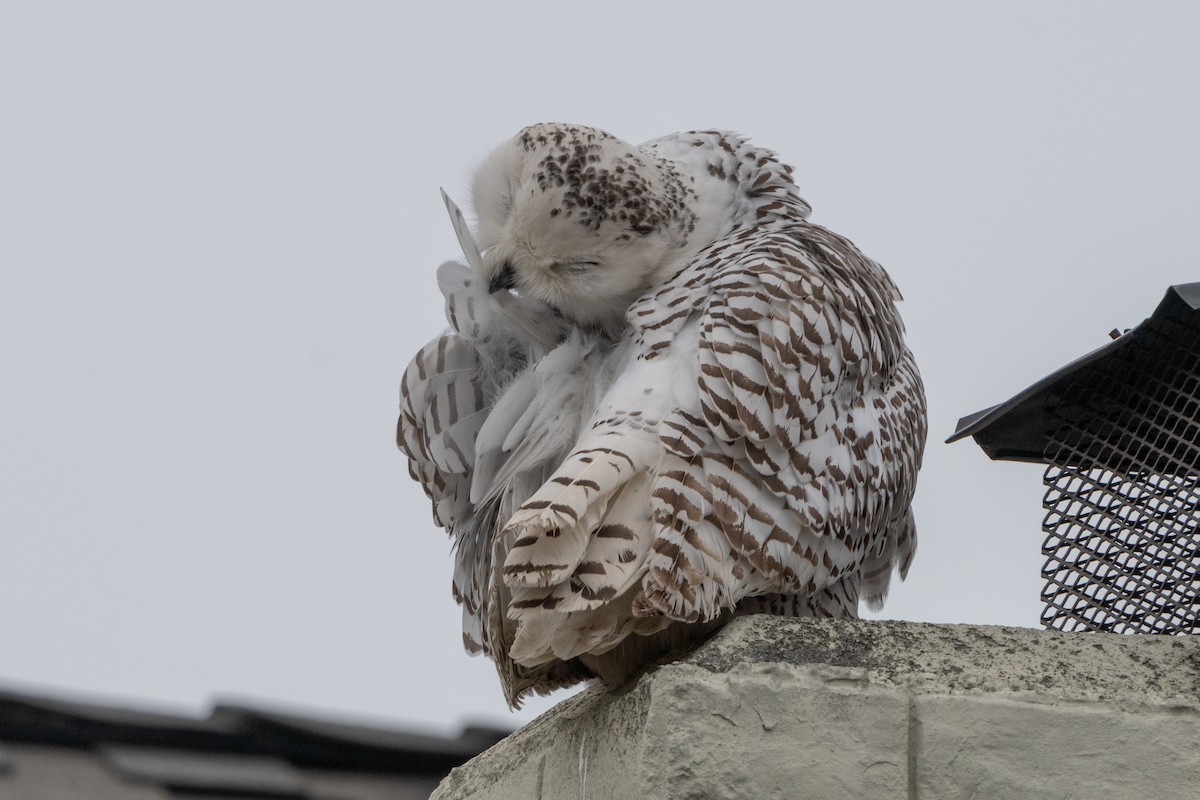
(1119, 431)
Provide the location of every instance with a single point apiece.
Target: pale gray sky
(219, 225)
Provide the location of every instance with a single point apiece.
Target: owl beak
(506, 278)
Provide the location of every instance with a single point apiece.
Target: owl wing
(794, 468)
(445, 395)
(462, 398)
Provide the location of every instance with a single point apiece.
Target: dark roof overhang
(1022, 428)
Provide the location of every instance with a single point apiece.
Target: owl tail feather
(556, 525)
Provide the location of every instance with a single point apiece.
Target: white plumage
(665, 398)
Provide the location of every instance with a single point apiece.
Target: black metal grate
(1123, 499)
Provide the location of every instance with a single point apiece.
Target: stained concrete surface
(802, 708)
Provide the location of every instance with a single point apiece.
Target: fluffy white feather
(666, 398)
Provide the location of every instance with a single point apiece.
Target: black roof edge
(973, 423)
(302, 740)
(1177, 298)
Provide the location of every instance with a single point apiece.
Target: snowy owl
(666, 398)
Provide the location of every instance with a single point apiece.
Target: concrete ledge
(786, 708)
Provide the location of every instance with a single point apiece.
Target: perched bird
(666, 398)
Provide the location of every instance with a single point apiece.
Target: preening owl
(666, 398)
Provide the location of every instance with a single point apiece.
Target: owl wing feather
(447, 395)
(795, 465)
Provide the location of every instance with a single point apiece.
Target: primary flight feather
(666, 398)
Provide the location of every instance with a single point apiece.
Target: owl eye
(574, 267)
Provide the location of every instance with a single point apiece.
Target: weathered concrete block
(784, 708)
(1000, 748)
(794, 732)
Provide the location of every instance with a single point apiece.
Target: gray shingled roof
(62, 749)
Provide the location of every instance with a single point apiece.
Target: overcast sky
(220, 223)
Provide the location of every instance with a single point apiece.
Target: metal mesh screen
(1122, 546)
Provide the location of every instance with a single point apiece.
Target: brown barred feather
(730, 422)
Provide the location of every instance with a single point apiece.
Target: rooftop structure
(1119, 431)
(59, 749)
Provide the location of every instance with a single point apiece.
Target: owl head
(581, 220)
